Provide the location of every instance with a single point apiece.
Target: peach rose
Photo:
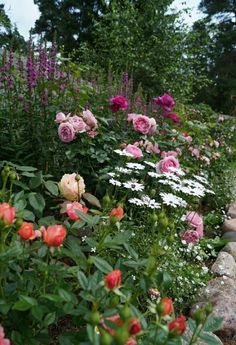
(72, 186)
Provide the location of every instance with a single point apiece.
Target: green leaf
(85, 217)
(209, 339)
(65, 295)
(53, 298)
(28, 215)
(49, 319)
(36, 180)
(37, 312)
(37, 201)
(92, 199)
(83, 281)
(52, 187)
(24, 303)
(213, 323)
(20, 205)
(25, 168)
(101, 264)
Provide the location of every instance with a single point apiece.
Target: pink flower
(3, 340)
(78, 124)
(66, 132)
(60, 117)
(54, 235)
(90, 119)
(142, 124)
(151, 148)
(195, 221)
(187, 137)
(221, 118)
(195, 152)
(118, 103)
(153, 129)
(134, 151)
(173, 117)
(92, 134)
(71, 208)
(167, 164)
(191, 236)
(132, 116)
(7, 213)
(72, 186)
(169, 153)
(166, 101)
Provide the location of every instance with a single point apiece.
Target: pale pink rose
(134, 151)
(92, 134)
(195, 152)
(205, 160)
(3, 340)
(221, 118)
(169, 153)
(153, 129)
(132, 116)
(90, 119)
(193, 218)
(179, 151)
(142, 124)
(190, 236)
(151, 148)
(78, 124)
(167, 164)
(188, 138)
(199, 230)
(72, 186)
(71, 208)
(216, 143)
(66, 132)
(60, 117)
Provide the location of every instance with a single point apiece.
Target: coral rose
(117, 212)
(118, 103)
(167, 164)
(166, 101)
(134, 151)
(142, 124)
(26, 231)
(71, 208)
(7, 213)
(54, 235)
(66, 132)
(113, 279)
(178, 325)
(167, 305)
(72, 186)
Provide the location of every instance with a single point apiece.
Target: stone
(230, 248)
(229, 225)
(232, 210)
(221, 293)
(224, 265)
(188, 333)
(230, 236)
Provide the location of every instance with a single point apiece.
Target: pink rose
(190, 236)
(195, 152)
(166, 101)
(3, 340)
(167, 164)
(66, 132)
(142, 124)
(71, 208)
(92, 134)
(60, 117)
(169, 153)
(118, 103)
(78, 124)
(90, 119)
(151, 148)
(132, 116)
(173, 117)
(195, 221)
(134, 151)
(153, 129)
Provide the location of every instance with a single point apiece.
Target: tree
(220, 58)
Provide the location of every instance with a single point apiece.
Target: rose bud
(117, 212)
(135, 327)
(113, 279)
(7, 213)
(54, 235)
(26, 231)
(178, 325)
(167, 306)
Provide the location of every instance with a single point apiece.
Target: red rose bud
(117, 212)
(167, 306)
(54, 235)
(26, 231)
(135, 327)
(115, 319)
(7, 213)
(178, 325)
(113, 279)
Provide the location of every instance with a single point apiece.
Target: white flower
(136, 201)
(134, 185)
(178, 171)
(111, 174)
(136, 166)
(115, 182)
(153, 174)
(151, 203)
(201, 179)
(84, 238)
(150, 164)
(123, 153)
(173, 200)
(124, 170)
(133, 277)
(93, 250)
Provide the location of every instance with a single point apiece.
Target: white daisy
(136, 201)
(173, 200)
(153, 174)
(124, 170)
(123, 153)
(201, 179)
(151, 203)
(134, 185)
(111, 174)
(135, 166)
(150, 164)
(115, 182)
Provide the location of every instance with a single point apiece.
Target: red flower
(117, 212)
(54, 235)
(71, 208)
(135, 327)
(26, 231)
(114, 319)
(113, 279)
(7, 213)
(178, 325)
(118, 103)
(167, 306)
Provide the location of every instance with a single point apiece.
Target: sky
(24, 13)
